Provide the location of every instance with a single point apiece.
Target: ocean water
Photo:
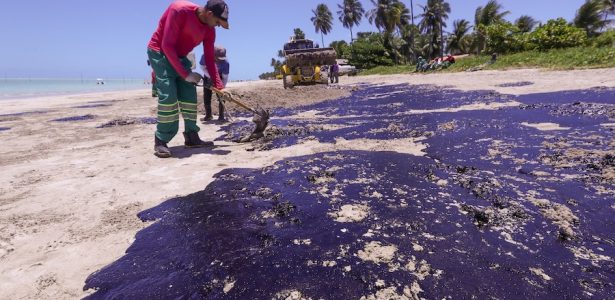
(16, 88)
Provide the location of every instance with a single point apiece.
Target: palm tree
(412, 11)
(277, 65)
(457, 42)
(388, 15)
(376, 15)
(589, 17)
(432, 22)
(399, 16)
(427, 26)
(410, 39)
(486, 15)
(299, 34)
(350, 14)
(443, 9)
(322, 20)
(608, 8)
(423, 45)
(489, 14)
(409, 34)
(526, 23)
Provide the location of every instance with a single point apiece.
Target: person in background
(448, 61)
(450, 58)
(494, 58)
(421, 64)
(183, 26)
(223, 70)
(334, 72)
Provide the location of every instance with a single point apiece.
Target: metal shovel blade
(261, 116)
(261, 119)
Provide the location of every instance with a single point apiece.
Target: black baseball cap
(220, 10)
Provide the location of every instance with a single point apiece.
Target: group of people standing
(182, 27)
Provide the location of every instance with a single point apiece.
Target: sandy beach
(70, 191)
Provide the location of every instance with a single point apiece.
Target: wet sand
(71, 192)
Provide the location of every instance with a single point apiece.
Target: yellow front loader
(302, 75)
(303, 63)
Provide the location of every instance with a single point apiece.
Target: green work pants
(175, 95)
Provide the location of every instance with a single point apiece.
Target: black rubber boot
(194, 141)
(221, 118)
(161, 149)
(207, 94)
(206, 118)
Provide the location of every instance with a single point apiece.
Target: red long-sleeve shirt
(179, 31)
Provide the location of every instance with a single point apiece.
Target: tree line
(401, 40)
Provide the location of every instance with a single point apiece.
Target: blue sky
(73, 38)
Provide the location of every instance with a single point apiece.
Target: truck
(345, 68)
(303, 62)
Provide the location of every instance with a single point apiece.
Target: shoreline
(71, 192)
(28, 97)
(88, 91)
(575, 79)
(28, 88)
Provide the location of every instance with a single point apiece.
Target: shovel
(261, 116)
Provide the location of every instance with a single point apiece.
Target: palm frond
(526, 23)
(589, 17)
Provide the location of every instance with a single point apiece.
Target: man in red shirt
(182, 27)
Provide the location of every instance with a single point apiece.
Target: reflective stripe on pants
(171, 87)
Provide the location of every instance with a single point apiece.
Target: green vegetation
(585, 42)
(267, 75)
(369, 51)
(341, 48)
(606, 39)
(389, 70)
(556, 34)
(557, 59)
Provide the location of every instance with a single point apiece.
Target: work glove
(207, 82)
(225, 94)
(194, 78)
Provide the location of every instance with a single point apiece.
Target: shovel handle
(232, 99)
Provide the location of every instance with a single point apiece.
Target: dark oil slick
(495, 209)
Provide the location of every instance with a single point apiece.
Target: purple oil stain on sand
(75, 118)
(92, 105)
(515, 84)
(474, 218)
